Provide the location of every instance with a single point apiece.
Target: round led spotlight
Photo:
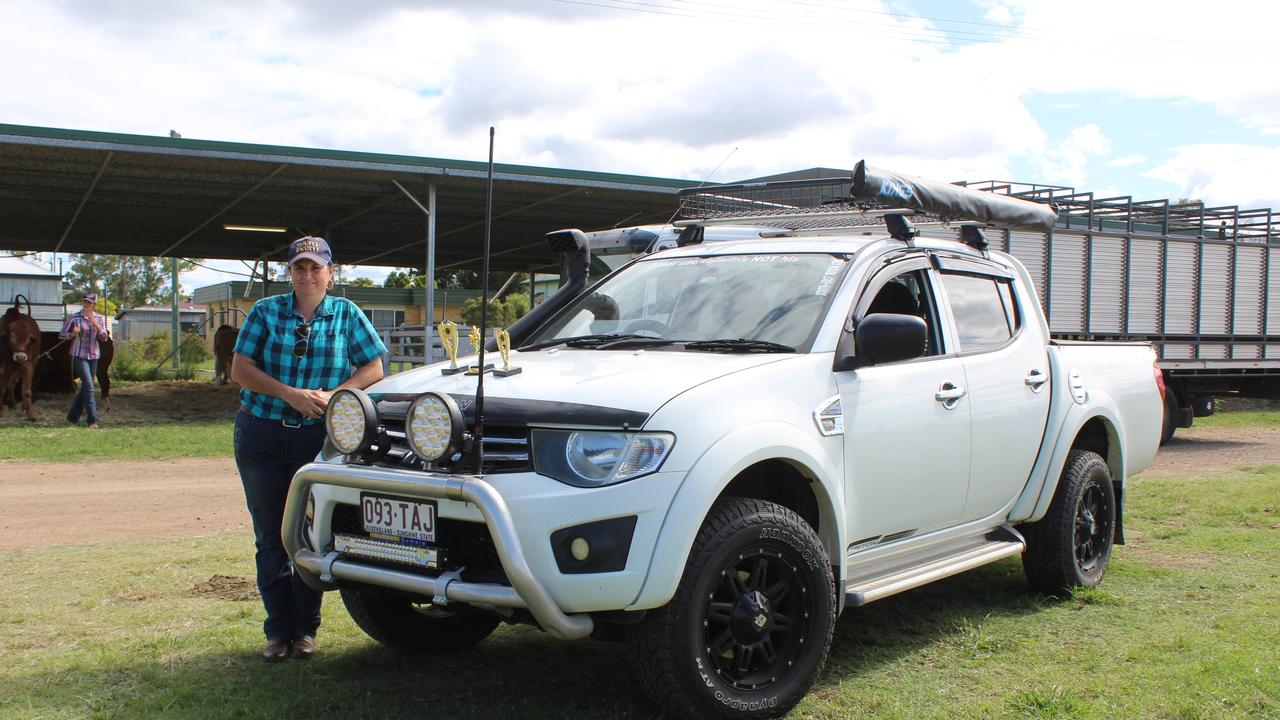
(433, 426)
(351, 421)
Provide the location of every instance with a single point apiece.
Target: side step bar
(913, 569)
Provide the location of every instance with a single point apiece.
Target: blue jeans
(84, 402)
(267, 456)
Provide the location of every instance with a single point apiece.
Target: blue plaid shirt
(341, 340)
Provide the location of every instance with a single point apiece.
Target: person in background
(85, 329)
(293, 351)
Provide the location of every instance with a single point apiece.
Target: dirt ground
(51, 504)
(143, 402)
(57, 503)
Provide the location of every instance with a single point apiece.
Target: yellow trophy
(449, 339)
(475, 348)
(504, 348)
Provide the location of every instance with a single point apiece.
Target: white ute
(720, 446)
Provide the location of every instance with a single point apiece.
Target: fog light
(580, 549)
(310, 513)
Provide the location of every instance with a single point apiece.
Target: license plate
(408, 520)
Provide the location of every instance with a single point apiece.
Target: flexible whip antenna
(478, 433)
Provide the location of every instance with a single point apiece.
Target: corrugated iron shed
(94, 192)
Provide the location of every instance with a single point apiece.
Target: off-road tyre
(1170, 421)
(394, 620)
(1071, 545)
(771, 629)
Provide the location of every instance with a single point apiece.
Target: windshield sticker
(828, 280)
(735, 260)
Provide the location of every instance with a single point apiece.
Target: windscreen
(776, 298)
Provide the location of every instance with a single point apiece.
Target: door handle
(1035, 380)
(949, 395)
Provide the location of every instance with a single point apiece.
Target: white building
(40, 286)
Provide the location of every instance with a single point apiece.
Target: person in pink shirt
(85, 329)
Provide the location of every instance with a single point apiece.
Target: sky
(1154, 99)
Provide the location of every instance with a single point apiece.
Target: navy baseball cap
(310, 248)
(90, 297)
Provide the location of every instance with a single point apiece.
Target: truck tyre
(1170, 417)
(750, 625)
(394, 620)
(1071, 546)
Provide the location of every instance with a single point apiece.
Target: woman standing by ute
(293, 351)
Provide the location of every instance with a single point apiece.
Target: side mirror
(885, 337)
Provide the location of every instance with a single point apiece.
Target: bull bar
(526, 591)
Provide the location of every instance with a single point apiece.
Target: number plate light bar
(363, 547)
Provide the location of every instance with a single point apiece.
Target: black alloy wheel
(755, 621)
(1071, 545)
(750, 624)
(1093, 528)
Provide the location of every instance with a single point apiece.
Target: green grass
(1250, 418)
(67, 443)
(1184, 627)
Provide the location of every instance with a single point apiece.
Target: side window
(1010, 307)
(983, 310)
(908, 294)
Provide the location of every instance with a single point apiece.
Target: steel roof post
(428, 288)
(173, 322)
(428, 331)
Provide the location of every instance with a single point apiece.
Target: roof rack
(867, 197)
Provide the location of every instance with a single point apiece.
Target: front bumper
(520, 514)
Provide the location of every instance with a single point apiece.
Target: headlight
(433, 426)
(593, 458)
(350, 421)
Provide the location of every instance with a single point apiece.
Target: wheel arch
(770, 461)
(1095, 428)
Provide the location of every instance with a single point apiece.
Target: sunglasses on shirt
(303, 331)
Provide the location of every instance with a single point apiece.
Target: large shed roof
(109, 193)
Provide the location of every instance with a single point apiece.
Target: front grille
(506, 448)
(466, 545)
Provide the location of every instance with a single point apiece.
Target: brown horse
(19, 348)
(224, 343)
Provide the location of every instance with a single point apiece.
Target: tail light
(1160, 381)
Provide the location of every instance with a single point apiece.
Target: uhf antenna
(478, 433)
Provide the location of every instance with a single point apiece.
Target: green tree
(501, 312)
(127, 281)
(518, 303)
(405, 279)
(458, 280)
(362, 282)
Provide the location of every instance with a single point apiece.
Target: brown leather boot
(304, 647)
(276, 650)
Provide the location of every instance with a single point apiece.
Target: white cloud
(1224, 174)
(1067, 161)
(1127, 160)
